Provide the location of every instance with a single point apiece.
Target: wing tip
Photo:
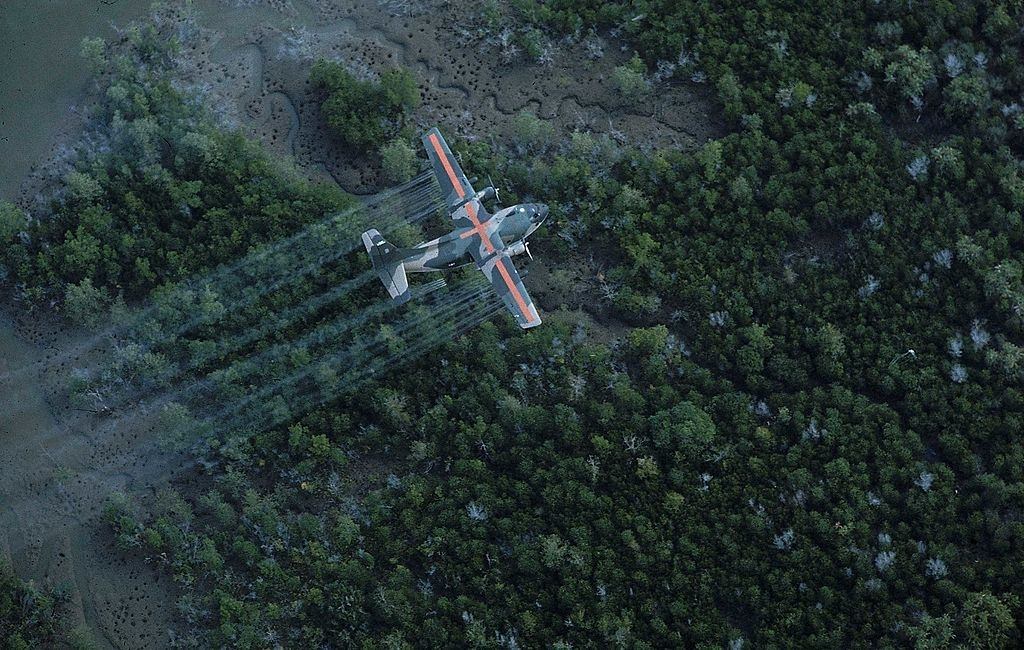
(429, 132)
(534, 322)
(403, 297)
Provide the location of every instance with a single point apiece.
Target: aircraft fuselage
(514, 225)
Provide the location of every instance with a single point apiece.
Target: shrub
(630, 79)
(85, 304)
(363, 113)
(398, 161)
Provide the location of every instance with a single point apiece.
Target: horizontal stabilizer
(387, 262)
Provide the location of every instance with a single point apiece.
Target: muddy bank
(45, 83)
(250, 62)
(42, 78)
(57, 468)
(255, 75)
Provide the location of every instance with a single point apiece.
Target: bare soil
(258, 79)
(57, 467)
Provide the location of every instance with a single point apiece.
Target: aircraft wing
(454, 185)
(488, 250)
(493, 260)
(506, 282)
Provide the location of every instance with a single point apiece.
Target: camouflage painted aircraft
(477, 234)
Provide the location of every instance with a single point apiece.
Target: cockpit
(521, 220)
(535, 212)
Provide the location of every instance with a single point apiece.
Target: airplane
(477, 234)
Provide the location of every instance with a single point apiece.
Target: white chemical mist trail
(342, 353)
(178, 309)
(451, 304)
(290, 402)
(281, 320)
(223, 348)
(182, 430)
(328, 333)
(382, 364)
(473, 309)
(334, 330)
(269, 271)
(454, 307)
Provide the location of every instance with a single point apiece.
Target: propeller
(526, 245)
(497, 197)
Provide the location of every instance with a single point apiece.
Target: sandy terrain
(44, 37)
(57, 465)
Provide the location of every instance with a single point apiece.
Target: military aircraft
(477, 235)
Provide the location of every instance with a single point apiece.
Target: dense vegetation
(158, 192)
(364, 114)
(810, 435)
(29, 617)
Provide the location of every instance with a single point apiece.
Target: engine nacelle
(517, 248)
(485, 194)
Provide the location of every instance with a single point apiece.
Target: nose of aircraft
(542, 212)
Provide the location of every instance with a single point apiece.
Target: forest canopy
(364, 114)
(808, 432)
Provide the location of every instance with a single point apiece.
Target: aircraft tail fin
(387, 262)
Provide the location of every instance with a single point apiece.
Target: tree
(630, 79)
(94, 51)
(85, 304)
(531, 132)
(30, 617)
(909, 71)
(398, 160)
(12, 221)
(683, 427)
(932, 633)
(985, 622)
(364, 113)
(967, 96)
(400, 89)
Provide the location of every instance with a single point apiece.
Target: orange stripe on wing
(471, 213)
(470, 208)
(478, 228)
(523, 307)
(447, 165)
